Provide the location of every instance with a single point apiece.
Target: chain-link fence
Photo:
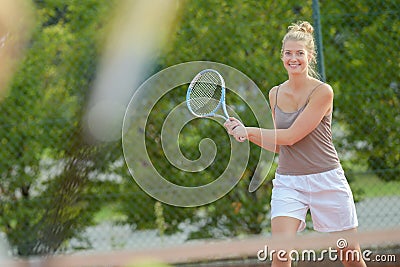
(60, 191)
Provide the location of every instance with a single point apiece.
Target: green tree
(361, 39)
(46, 167)
(52, 185)
(245, 35)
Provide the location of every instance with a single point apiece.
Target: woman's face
(295, 57)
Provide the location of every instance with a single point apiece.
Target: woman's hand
(231, 124)
(236, 128)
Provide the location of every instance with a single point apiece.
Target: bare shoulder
(323, 91)
(322, 97)
(326, 87)
(272, 95)
(272, 91)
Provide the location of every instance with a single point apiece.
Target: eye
(301, 53)
(287, 53)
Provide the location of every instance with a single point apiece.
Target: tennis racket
(206, 95)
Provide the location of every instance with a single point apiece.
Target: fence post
(318, 39)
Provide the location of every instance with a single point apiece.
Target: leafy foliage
(46, 187)
(366, 81)
(53, 182)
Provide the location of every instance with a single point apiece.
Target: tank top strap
(276, 96)
(312, 91)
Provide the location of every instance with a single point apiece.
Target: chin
(296, 73)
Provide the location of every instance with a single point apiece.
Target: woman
(309, 174)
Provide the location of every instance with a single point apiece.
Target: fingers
(236, 128)
(233, 119)
(231, 124)
(240, 137)
(240, 133)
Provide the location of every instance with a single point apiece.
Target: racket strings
(205, 95)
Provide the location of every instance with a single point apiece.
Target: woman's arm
(267, 146)
(233, 123)
(318, 106)
(241, 133)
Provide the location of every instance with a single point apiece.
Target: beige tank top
(315, 153)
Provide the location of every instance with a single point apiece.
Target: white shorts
(327, 195)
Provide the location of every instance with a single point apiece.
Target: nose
(296, 56)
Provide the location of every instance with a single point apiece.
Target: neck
(298, 82)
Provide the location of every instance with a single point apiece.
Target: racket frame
(221, 102)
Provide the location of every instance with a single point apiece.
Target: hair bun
(302, 26)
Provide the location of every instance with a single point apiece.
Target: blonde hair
(303, 31)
